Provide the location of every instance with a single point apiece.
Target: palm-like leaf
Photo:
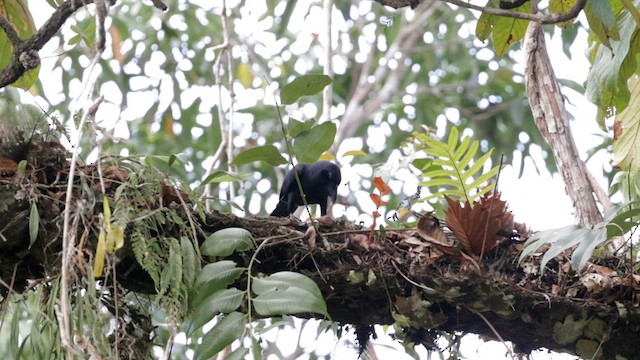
(452, 170)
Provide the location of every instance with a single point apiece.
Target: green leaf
(561, 6)
(302, 86)
(237, 354)
(223, 301)
(612, 67)
(451, 170)
(214, 277)
(226, 241)
(626, 147)
(484, 26)
(287, 293)
(295, 127)
(223, 176)
(508, 31)
(190, 262)
(226, 331)
(310, 145)
(34, 224)
(17, 13)
(602, 21)
(267, 153)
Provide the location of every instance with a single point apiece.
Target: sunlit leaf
(223, 301)
(626, 147)
(214, 277)
(287, 293)
(17, 13)
(302, 86)
(226, 331)
(267, 153)
(295, 127)
(310, 145)
(226, 241)
(101, 253)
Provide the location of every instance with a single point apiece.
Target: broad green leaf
(190, 262)
(612, 67)
(287, 293)
(309, 146)
(561, 6)
(484, 26)
(214, 277)
(626, 147)
(295, 127)
(226, 241)
(290, 300)
(237, 354)
(302, 86)
(17, 13)
(223, 176)
(223, 301)
(226, 331)
(34, 224)
(602, 21)
(266, 153)
(508, 31)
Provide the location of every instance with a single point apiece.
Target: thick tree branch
(16, 68)
(551, 119)
(536, 17)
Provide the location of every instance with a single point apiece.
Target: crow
(319, 181)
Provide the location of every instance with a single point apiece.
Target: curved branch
(15, 69)
(539, 18)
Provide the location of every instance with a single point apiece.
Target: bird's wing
(289, 185)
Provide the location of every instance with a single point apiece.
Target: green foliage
(613, 62)
(626, 148)
(309, 145)
(615, 223)
(303, 86)
(17, 13)
(451, 170)
(277, 294)
(226, 241)
(504, 31)
(227, 330)
(267, 153)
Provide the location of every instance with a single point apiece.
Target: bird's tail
(281, 209)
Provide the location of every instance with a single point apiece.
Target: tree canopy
(142, 144)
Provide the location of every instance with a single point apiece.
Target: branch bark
(539, 18)
(434, 291)
(551, 119)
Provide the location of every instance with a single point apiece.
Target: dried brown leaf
(429, 229)
(477, 227)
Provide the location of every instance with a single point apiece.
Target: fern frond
(453, 171)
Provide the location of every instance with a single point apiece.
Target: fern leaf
(453, 171)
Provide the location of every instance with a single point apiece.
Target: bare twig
(327, 94)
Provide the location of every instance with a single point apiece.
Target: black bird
(319, 181)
